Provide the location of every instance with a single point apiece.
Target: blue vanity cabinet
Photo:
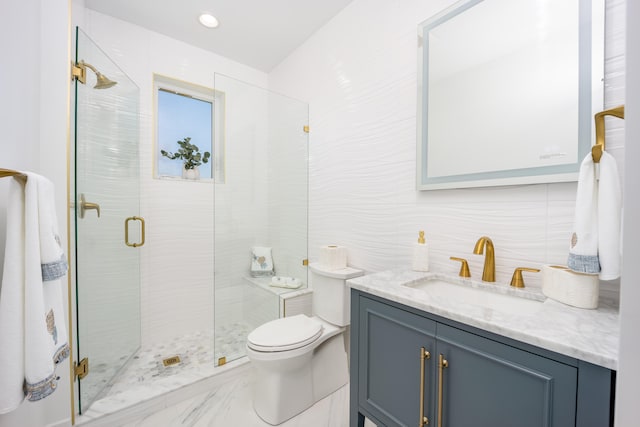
(395, 363)
(487, 383)
(472, 377)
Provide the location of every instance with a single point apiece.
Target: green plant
(189, 153)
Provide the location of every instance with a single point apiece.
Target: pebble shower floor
(146, 367)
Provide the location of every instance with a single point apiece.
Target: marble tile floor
(227, 403)
(231, 405)
(145, 376)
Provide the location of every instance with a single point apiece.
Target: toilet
(299, 360)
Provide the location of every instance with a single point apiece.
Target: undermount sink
(479, 296)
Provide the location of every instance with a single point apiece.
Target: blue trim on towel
(42, 389)
(54, 270)
(589, 264)
(62, 353)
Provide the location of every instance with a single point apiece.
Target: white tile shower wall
(177, 260)
(358, 74)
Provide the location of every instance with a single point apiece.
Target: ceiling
(258, 33)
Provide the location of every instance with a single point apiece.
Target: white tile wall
(358, 74)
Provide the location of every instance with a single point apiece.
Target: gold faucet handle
(517, 281)
(464, 267)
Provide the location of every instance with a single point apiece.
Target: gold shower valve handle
(464, 267)
(85, 206)
(517, 281)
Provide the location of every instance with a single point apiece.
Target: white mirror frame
(591, 101)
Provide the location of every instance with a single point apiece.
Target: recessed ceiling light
(208, 20)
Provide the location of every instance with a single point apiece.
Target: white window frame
(203, 93)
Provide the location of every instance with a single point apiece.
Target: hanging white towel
(583, 251)
(595, 242)
(609, 218)
(12, 304)
(33, 337)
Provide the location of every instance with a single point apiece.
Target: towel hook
(598, 149)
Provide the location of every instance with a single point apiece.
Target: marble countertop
(589, 335)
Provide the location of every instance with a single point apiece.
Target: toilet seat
(287, 333)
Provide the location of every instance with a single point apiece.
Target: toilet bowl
(299, 360)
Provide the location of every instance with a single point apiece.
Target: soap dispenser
(421, 254)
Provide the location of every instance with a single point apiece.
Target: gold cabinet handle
(517, 281)
(442, 363)
(464, 266)
(85, 206)
(424, 355)
(126, 231)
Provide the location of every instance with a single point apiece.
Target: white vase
(191, 173)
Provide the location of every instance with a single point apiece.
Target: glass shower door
(106, 210)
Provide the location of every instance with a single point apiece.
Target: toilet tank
(331, 295)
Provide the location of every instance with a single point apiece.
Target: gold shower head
(102, 81)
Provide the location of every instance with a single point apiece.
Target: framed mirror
(507, 90)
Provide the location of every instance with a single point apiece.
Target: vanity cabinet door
(487, 383)
(391, 374)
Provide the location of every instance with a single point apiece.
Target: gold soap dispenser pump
(420, 260)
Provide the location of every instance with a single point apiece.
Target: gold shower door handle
(442, 363)
(126, 231)
(424, 354)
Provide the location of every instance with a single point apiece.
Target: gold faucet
(489, 271)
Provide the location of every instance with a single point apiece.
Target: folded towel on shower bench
(285, 282)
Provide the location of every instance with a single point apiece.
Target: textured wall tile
(361, 87)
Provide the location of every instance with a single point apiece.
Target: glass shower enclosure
(255, 202)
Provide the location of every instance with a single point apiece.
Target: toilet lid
(284, 334)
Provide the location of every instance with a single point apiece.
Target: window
(185, 110)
